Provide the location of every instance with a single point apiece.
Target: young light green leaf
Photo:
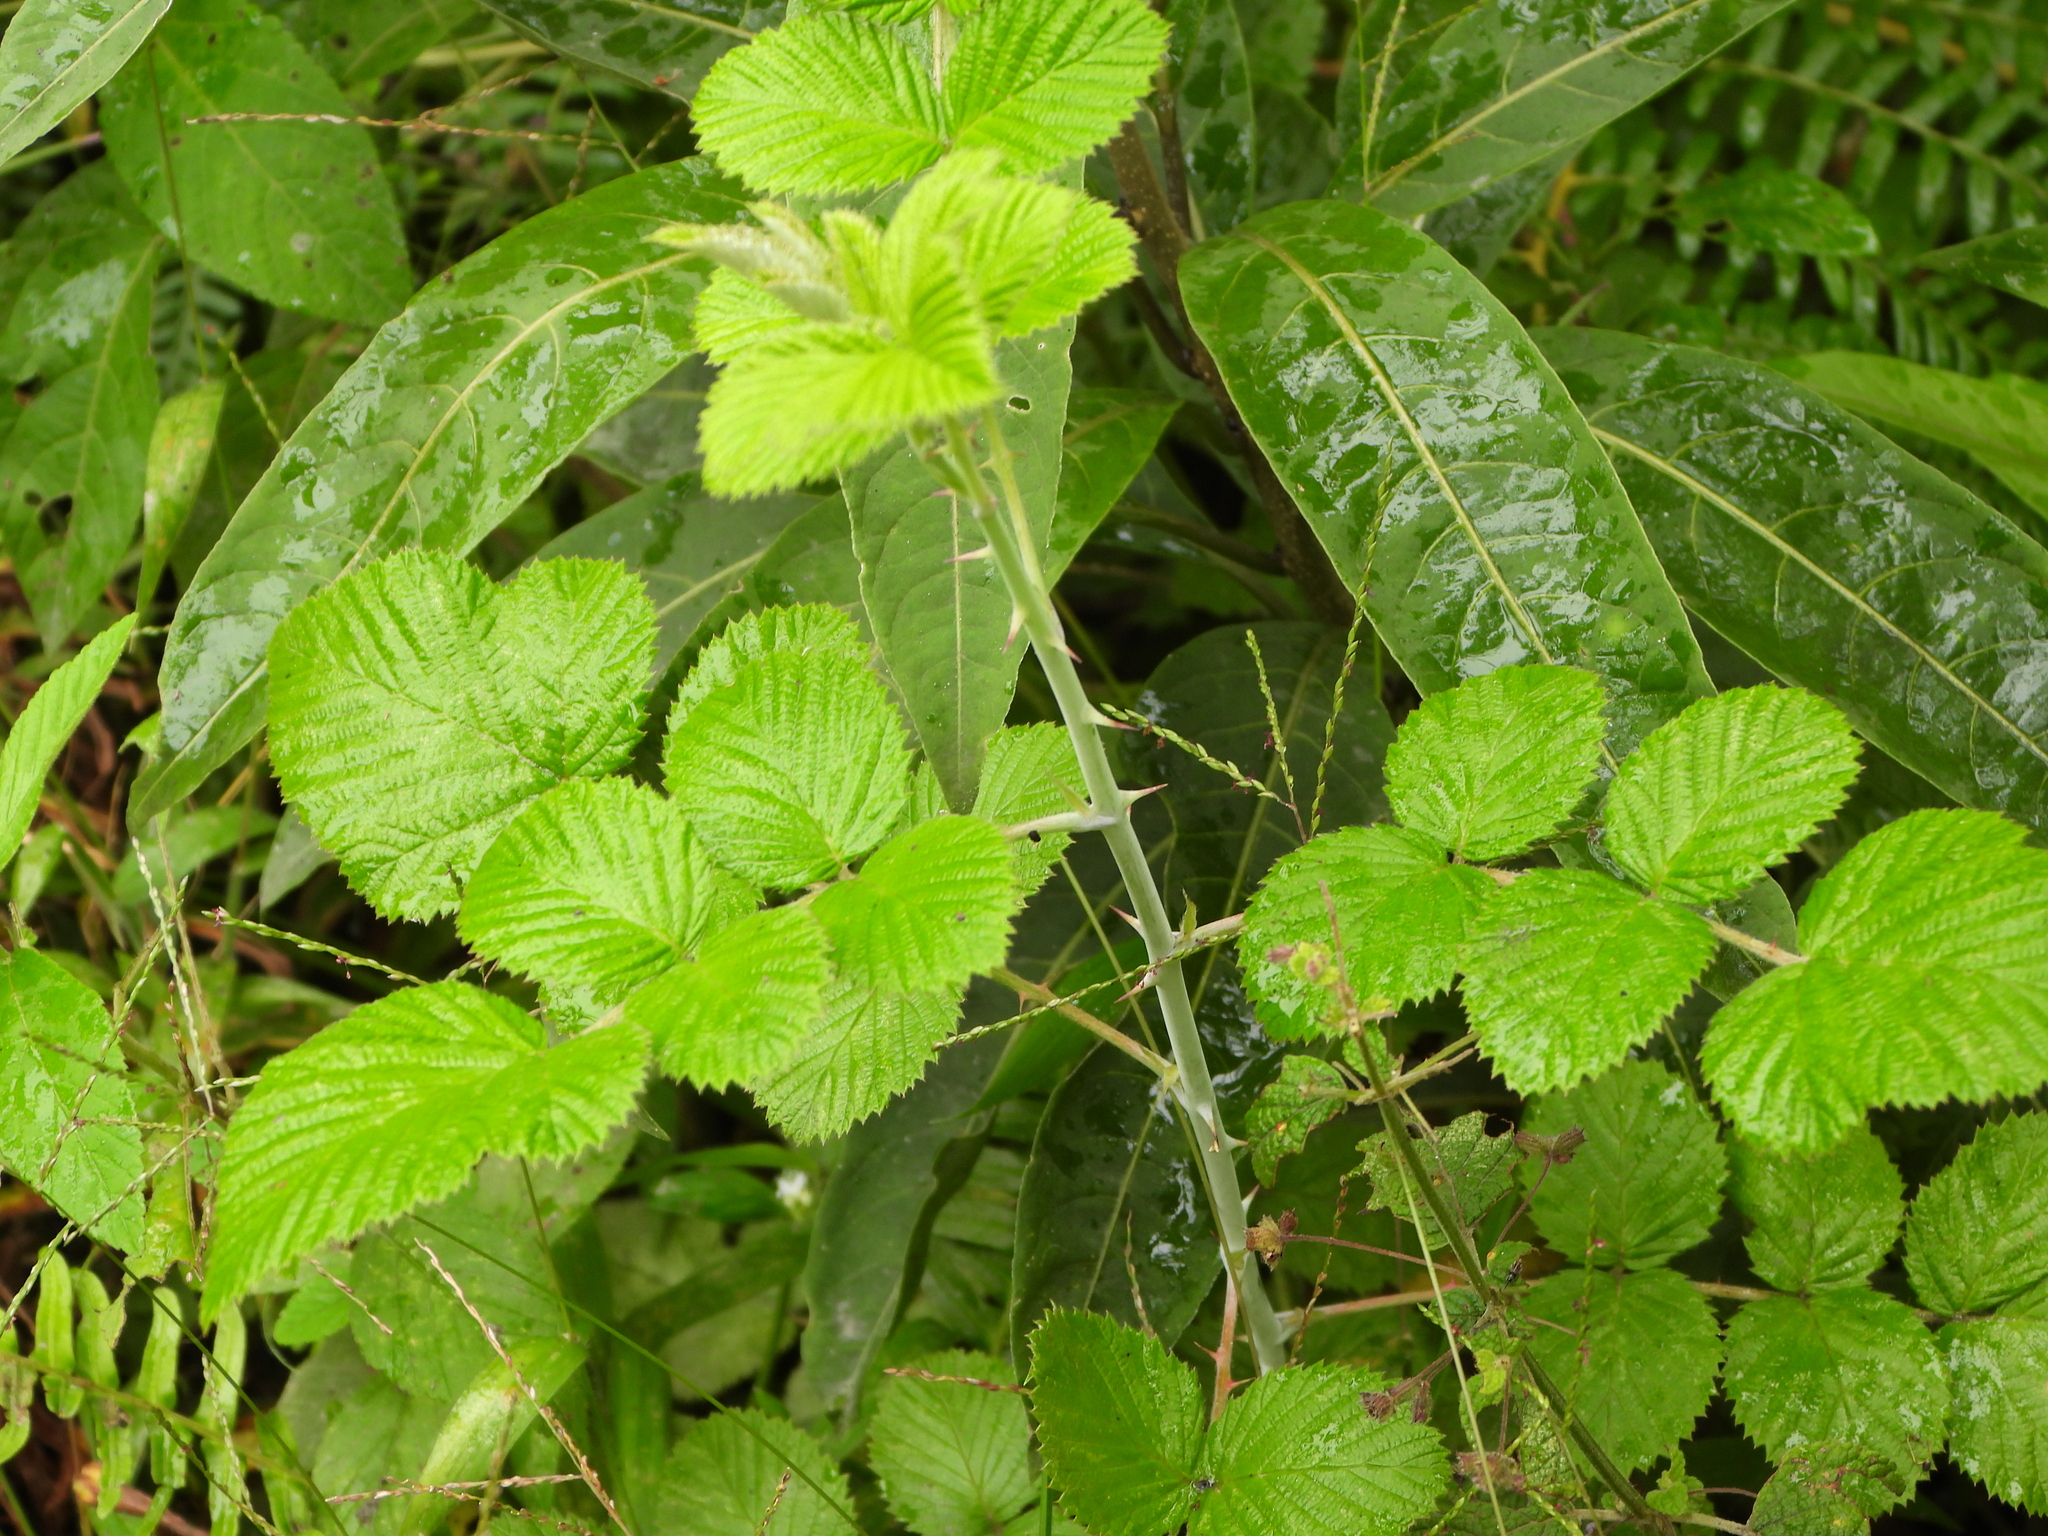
(1295, 1455)
(1646, 1186)
(930, 908)
(596, 887)
(743, 1004)
(434, 436)
(56, 53)
(798, 630)
(299, 213)
(954, 1458)
(44, 728)
(1823, 1221)
(1402, 915)
(66, 1114)
(419, 709)
(723, 1477)
(1495, 765)
(1847, 1366)
(1119, 1422)
(1308, 1093)
(391, 1108)
(1978, 1235)
(1998, 1420)
(1636, 1357)
(1926, 976)
(1735, 783)
(793, 769)
(1568, 969)
(1473, 1169)
(1029, 771)
(665, 47)
(1335, 329)
(867, 1049)
(1764, 206)
(1918, 610)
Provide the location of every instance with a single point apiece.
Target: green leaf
(74, 431)
(1978, 1235)
(1294, 1455)
(1808, 1496)
(390, 1108)
(1823, 1221)
(954, 1458)
(1473, 1169)
(1209, 74)
(1646, 1186)
(56, 53)
(1280, 1121)
(1402, 917)
(796, 631)
(793, 769)
(434, 436)
(1497, 764)
(1998, 1421)
(1030, 771)
(2013, 259)
(1636, 1359)
(1119, 1421)
(740, 1007)
(180, 449)
(298, 213)
(866, 1049)
(1847, 1366)
(690, 550)
(44, 729)
(930, 908)
(1567, 970)
(493, 1411)
(1926, 977)
(1110, 435)
(943, 623)
(1913, 608)
(1763, 206)
(1998, 421)
(420, 708)
(359, 42)
(66, 1115)
(1502, 86)
(595, 887)
(1735, 783)
(661, 46)
(1338, 332)
(722, 1479)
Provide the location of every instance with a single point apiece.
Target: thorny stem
(1014, 550)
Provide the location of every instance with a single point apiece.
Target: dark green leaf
(1823, 1221)
(1307, 1093)
(1998, 1423)
(1110, 434)
(1978, 1236)
(298, 213)
(57, 53)
(2013, 259)
(359, 42)
(1209, 75)
(1914, 607)
(652, 43)
(1472, 1168)
(433, 436)
(1421, 432)
(1764, 206)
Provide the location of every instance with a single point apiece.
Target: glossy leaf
(359, 42)
(1500, 86)
(1914, 607)
(1823, 1222)
(2013, 259)
(661, 46)
(1425, 439)
(419, 709)
(435, 435)
(1978, 1237)
(298, 213)
(953, 1457)
(1646, 1186)
(56, 53)
(743, 1004)
(390, 1108)
(1998, 1421)
(1764, 206)
(930, 908)
(1110, 434)
(44, 729)
(1209, 75)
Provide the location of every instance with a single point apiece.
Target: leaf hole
(1019, 404)
(53, 515)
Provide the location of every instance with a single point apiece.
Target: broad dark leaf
(2014, 259)
(1110, 434)
(1210, 77)
(650, 42)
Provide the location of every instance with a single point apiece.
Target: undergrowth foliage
(1248, 768)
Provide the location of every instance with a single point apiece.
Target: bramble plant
(1246, 768)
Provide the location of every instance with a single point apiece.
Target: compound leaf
(390, 1108)
(1926, 976)
(56, 53)
(1418, 429)
(1294, 1455)
(1495, 765)
(1646, 1186)
(722, 1479)
(1823, 1221)
(865, 1050)
(1636, 1359)
(44, 727)
(419, 708)
(1119, 1421)
(954, 1458)
(742, 1005)
(1998, 1420)
(930, 908)
(434, 435)
(1978, 1235)
(1847, 1366)
(1735, 783)
(1569, 969)
(299, 213)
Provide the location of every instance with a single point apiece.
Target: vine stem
(1013, 547)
